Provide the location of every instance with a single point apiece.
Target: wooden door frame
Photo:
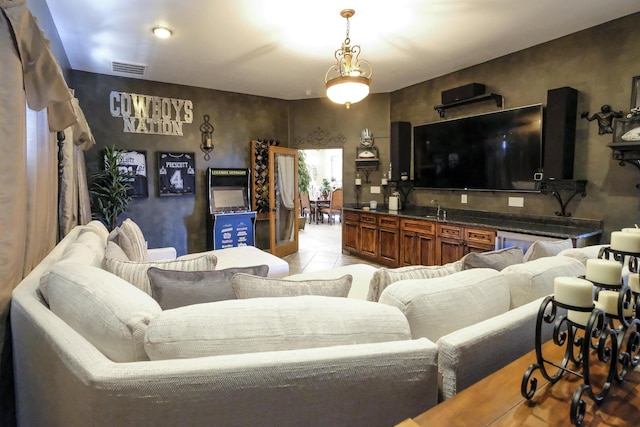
(290, 247)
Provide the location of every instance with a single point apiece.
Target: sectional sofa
(91, 348)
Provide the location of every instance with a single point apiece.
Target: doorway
(325, 167)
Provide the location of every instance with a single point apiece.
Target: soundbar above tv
(498, 151)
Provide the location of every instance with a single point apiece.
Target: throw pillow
(174, 289)
(132, 242)
(114, 251)
(496, 260)
(545, 248)
(248, 286)
(271, 324)
(107, 311)
(386, 276)
(136, 272)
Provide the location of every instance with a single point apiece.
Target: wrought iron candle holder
(206, 129)
(610, 339)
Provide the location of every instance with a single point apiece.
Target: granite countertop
(559, 227)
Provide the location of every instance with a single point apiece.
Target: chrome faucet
(437, 203)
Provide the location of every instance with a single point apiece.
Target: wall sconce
(207, 137)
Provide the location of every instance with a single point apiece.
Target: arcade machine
(230, 221)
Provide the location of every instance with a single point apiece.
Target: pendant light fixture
(348, 80)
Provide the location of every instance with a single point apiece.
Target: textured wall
(600, 63)
(180, 221)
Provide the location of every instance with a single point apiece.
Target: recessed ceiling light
(162, 32)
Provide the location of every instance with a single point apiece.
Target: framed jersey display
(176, 174)
(135, 164)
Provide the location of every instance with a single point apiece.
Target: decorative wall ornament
(604, 117)
(150, 114)
(320, 138)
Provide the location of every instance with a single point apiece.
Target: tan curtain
(74, 207)
(28, 182)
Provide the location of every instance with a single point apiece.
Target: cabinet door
(389, 248)
(369, 240)
(409, 247)
(351, 236)
(479, 240)
(449, 250)
(426, 249)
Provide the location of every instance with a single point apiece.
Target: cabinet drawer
(419, 226)
(368, 219)
(351, 216)
(476, 235)
(449, 231)
(389, 222)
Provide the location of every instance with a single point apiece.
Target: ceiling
(283, 48)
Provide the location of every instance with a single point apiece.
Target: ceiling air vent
(123, 67)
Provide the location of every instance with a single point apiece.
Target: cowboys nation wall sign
(150, 114)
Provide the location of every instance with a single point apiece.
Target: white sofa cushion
(438, 306)
(173, 289)
(534, 279)
(136, 272)
(583, 254)
(248, 286)
(386, 276)
(246, 256)
(107, 311)
(545, 248)
(130, 238)
(270, 324)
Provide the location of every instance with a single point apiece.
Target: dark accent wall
(180, 221)
(599, 62)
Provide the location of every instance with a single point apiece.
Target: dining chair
(305, 206)
(335, 206)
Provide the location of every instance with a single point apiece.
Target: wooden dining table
(317, 204)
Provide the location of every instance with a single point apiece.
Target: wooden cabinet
(351, 232)
(369, 235)
(417, 242)
(456, 241)
(395, 241)
(388, 240)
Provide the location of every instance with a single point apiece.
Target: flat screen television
(494, 151)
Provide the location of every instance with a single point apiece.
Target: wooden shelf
(441, 109)
(555, 186)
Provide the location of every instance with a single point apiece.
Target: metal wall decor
(206, 145)
(320, 138)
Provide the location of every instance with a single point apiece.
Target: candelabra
(610, 336)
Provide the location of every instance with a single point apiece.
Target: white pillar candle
(579, 317)
(605, 271)
(631, 230)
(625, 241)
(573, 291)
(358, 181)
(634, 282)
(608, 302)
(384, 181)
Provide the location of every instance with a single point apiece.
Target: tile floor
(320, 248)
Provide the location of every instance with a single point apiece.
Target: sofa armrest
(161, 254)
(470, 354)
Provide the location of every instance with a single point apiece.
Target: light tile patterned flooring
(320, 248)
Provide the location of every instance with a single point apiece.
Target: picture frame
(135, 163)
(176, 173)
(635, 92)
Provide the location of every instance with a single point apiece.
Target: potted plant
(110, 190)
(325, 188)
(304, 181)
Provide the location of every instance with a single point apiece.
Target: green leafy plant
(304, 177)
(110, 190)
(325, 187)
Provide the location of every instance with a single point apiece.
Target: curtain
(286, 189)
(28, 182)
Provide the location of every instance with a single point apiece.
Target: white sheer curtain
(286, 188)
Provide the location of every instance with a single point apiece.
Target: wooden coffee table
(496, 400)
